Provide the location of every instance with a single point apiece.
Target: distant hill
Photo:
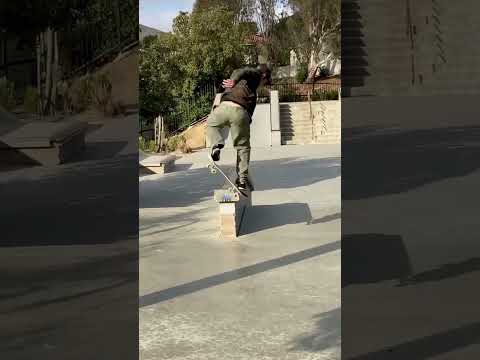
(148, 31)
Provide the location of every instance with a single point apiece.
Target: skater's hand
(228, 84)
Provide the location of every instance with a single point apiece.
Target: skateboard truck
(226, 195)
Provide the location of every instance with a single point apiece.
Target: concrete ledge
(274, 111)
(231, 212)
(276, 138)
(45, 143)
(157, 164)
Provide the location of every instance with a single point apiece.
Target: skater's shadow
(262, 217)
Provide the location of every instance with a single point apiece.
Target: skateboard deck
(214, 169)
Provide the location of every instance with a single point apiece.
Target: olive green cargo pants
(238, 119)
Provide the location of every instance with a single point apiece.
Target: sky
(159, 14)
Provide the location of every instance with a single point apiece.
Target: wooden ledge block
(231, 216)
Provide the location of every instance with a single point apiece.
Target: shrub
(82, 91)
(146, 145)
(31, 100)
(324, 72)
(64, 91)
(319, 95)
(7, 94)
(90, 90)
(101, 94)
(178, 142)
(263, 95)
(302, 73)
(114, 108)
(290, 95)
(332, 95)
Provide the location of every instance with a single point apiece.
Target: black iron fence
(190, 110)
(295, 92)
(186, 112)
(92, 41)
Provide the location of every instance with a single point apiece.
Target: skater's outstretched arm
(238, 75)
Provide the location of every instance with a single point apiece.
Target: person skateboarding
(235, 110)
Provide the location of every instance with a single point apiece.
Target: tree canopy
(204, 47)
(315, 25)
(27, 18)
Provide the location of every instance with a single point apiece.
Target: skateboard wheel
(212, 169)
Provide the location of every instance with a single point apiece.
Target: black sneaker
(215, 155)
(243, 184)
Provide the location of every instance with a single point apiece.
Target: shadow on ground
(52, 294)
(197, 185)
(15, 159)
(72, 204)
(182, 167)
(115, 270)
(443, 272)
(223, 278)
(150, 227)
(327, 218)
(101, 150)
(327, 333)
(261, 217)
(375, 165)
(371, 258)
(429, 346)
(144, 171)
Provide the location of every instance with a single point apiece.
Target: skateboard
(214, 169)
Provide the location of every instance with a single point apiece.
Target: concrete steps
(376, 44)
(382, 57)
(298, 131)
(302, 134)
(296, 125)
(307, 142)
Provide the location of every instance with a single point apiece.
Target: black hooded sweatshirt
(244, 92)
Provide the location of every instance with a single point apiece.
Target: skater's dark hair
(266, 73)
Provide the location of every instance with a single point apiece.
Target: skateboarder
(236, 110)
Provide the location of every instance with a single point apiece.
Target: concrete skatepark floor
(70, 270)
(272, 294)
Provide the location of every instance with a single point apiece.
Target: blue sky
(159, 14)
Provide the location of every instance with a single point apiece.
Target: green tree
(47, 22)
(315, 26)
(208, 46)
(242, 9)
(281, 43)
(39, 22)
(204, 47)
(157, 71)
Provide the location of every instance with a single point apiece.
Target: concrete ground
(272, 294)
(410, 248)
(69, 252)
